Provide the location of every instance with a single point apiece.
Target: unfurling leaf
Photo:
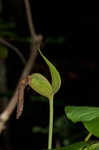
(56, 80)
(41, 85)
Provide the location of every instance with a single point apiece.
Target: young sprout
(42, 86)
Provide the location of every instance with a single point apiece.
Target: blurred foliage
(80, 146)
(7, 30)
(76, 146)
(3, 52)
(55, 40)
(63, 130)
(6, 26)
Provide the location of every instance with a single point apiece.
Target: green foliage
(82, 113)
(89, 116)
(92, 147)
(93, 126)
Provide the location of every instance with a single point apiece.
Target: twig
(5, 115)
(30, 21)
(4, 42)
(36, 41)
(31, 26)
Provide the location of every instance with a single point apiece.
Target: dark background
(76, 58)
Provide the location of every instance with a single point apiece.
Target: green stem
(50, 123)
(88, 137)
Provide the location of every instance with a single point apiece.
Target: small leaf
(41, 85)
(56, 80)
(76, 146)
(81, 113)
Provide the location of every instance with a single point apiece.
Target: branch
(36, 41)
(30, 21)
(31, 26)
(5, 115)
(4, 42)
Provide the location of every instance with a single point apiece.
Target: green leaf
(56, 80)
(83, 113)
(89, 116)
(92, 147)
(76, 146)
(41, 85)
(3, 52)
(92, 126)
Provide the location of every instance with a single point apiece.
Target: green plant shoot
(42, 86)
(56, 80)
